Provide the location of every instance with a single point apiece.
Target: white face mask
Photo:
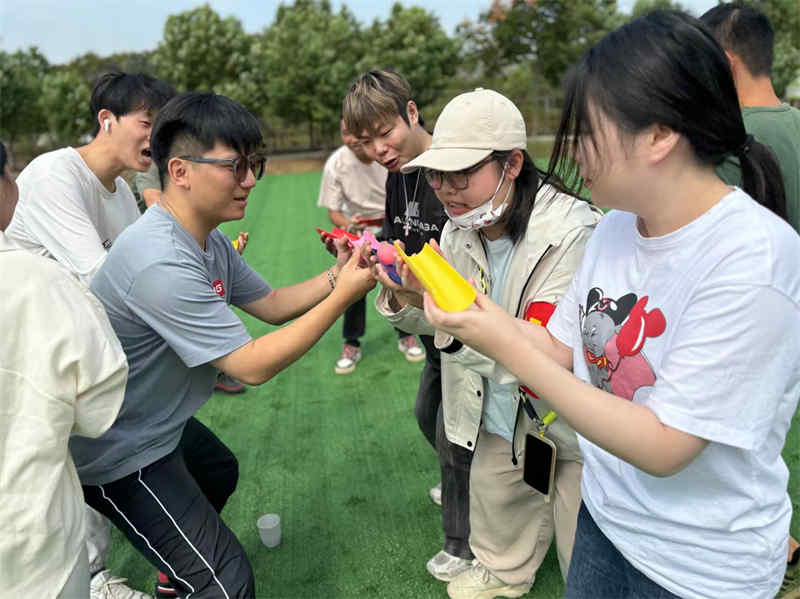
(484, 215)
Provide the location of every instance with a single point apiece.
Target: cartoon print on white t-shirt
(613, 334)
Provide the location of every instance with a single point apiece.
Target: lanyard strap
(545, 422)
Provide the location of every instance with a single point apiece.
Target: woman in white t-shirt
(684, 318)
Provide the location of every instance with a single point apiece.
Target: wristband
(331, 278)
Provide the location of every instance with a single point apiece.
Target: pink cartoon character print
(614, 332)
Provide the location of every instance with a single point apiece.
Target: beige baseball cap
(470, 127)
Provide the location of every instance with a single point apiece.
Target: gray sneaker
(435, 493)
(105, 585)
(446, 567)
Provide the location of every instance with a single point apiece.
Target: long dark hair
(527, 183)
(665, 68)
(3, 160)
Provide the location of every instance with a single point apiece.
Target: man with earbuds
(73, 201)
(73, 204)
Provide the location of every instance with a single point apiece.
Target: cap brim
(446, 159)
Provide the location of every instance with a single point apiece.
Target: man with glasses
(148, 189)
(167, 287)
(380, 111)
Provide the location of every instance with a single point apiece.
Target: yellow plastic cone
(449, 289)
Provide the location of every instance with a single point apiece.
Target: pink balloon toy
(386, 253)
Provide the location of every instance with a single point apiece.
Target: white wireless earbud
(107, 125)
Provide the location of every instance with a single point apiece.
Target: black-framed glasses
(458, 180)
(239, 165)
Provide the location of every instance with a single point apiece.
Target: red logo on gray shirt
(219, 288)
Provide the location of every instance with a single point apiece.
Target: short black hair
(746, 32)
(3, 160)
(663, 68)
(194, 122)
(123, 93)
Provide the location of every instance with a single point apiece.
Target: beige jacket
(544, 262)
(62, 373)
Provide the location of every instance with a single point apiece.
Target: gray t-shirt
(169, 303)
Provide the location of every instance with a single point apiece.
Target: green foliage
(200, 50)
(64, 103)
(21, 74)
(642, 7)
(304, 61)
(90, 66)
(413, 43)
(550, 35)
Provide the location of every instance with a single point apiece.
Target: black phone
(540, 463)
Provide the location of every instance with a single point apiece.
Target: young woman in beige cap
(521, 242)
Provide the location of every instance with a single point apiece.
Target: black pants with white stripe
(170, 509)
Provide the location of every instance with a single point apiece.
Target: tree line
(294, 73)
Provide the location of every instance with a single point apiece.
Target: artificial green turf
(340, 458)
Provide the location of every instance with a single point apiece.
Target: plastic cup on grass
(269, 529)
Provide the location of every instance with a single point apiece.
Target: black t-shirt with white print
(413, 213)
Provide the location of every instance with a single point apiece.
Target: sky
(63, 29)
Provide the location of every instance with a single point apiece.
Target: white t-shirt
(66, 213)
(62, 372)
(349, 186)
(710, 342)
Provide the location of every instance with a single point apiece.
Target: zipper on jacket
(519, 305)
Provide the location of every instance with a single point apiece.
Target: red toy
(386, 249)
(337, 233)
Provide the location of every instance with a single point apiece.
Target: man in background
(353, 189)
(748, 39)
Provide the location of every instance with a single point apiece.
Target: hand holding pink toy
(386, 256)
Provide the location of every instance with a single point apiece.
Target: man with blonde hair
(353, 189)
(380, 111)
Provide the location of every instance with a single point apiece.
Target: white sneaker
(478, 583)
(446, 567)
(106, 585)
(409, 346)
(348, 359)
(435, 493)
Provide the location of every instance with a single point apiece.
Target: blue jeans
(599, 571)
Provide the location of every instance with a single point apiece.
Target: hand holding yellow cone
(449, 289)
